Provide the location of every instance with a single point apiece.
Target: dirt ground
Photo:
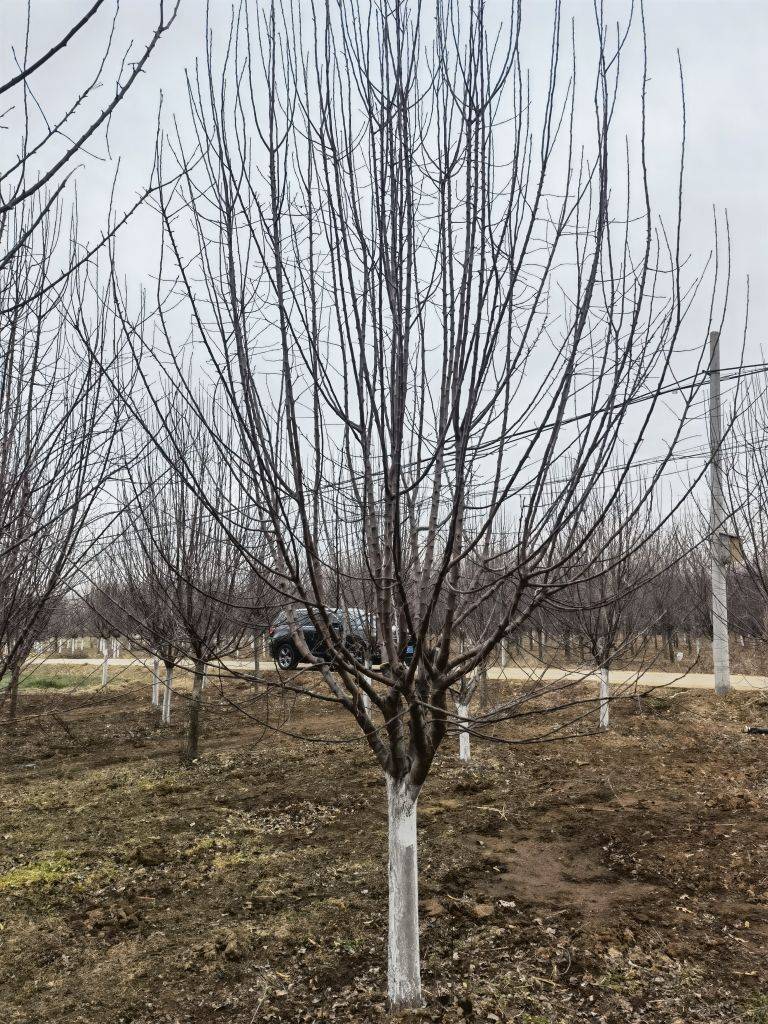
(619, 878)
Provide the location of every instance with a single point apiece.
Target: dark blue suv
(353, 625)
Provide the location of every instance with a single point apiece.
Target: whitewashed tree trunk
(167, 690)
(155, 682)
(366, 699)
(404, 965)
(105, 668)
(698, 647)
(462, 712)
(503, 654)
(604, 695)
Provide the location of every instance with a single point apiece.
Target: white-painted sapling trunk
(167, 690)
(403, 960)
(365, 698)
(462, 712)
(155, 682)
(604, 697)
(105, 669)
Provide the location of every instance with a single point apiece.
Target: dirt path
(620, 678)
(623, 679)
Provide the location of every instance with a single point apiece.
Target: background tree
(183, 581)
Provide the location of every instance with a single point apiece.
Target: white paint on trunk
(462, 712)
(155, 682)
(698, 647)
(604, 694)
(365, 698)
(404, 966)
(503, 654)
(105, 669)
(167, 690)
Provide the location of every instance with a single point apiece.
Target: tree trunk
(365, 698)
(195, 712)
(670, 647)
(167, 691)
(105, 669)
(404, 966)
(256, 646)
(567, 644)
(462, 712)
(604, 695)
(155, 682)
(13, 696)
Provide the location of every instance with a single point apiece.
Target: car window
(300, 617)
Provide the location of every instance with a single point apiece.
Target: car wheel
(286, 656)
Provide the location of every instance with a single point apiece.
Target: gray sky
(722, 45)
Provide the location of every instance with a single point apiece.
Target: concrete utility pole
(718, 542)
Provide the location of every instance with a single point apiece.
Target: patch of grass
(43, 872)
(51, 682)
(757, 1013)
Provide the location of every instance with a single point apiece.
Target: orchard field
(619, 877)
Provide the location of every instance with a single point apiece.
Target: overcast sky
(723, 49)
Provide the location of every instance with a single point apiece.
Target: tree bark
(604, 696)
(365, 698)
(195, 712)
(13, 696)
(155, 682)
(462, 712)
(404, 965)
(167, 691)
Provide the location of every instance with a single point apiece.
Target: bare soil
(619, 878)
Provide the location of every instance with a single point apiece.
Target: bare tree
(748, 507)
(56, 422)
(183, 571)
(431, 323)
(58, 425)
(609, 571)
(49, 146)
